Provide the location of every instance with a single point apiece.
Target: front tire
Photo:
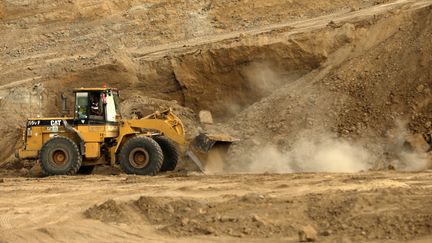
(170, 153)
(141, 155)
(60, 156)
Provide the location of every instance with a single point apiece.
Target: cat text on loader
(98, 135)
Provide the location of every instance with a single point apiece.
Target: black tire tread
(134, 142)
(170, 153)
(75, 148)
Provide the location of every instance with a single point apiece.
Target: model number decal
(33, 123)
(44, 123)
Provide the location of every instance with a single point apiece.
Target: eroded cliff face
(266, 69)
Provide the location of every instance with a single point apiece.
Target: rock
(209, 230)
(224, 219)
(193, 221)
(205, 117)
(36, 170)
(246, 230)
(184, 221)
(187, 209)
(170, 209)
(326, 233)
(256, 218)
(202, 211)
(334, 25)
(417, 143)
(24, 172)
(420, 88)
(307, 234)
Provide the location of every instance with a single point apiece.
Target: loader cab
(96, 106)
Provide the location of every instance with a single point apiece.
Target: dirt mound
(351, 214)
(358, 96)
(345, 215)
(108, 212)
(361, 207)
(190, 217)
(103, 43)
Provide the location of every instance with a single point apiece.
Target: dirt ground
(361, 207)
(322, 95)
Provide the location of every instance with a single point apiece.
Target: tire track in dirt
(212, 203)
(5, 223)
(290, 28)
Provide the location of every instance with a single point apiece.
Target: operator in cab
(94, 107)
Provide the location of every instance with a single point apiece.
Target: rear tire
(60, 156)
(141, 155)
(170, 153)
(86, 170)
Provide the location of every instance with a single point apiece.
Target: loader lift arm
(163, 123)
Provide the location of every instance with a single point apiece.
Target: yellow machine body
(92, 137)
(98, 135)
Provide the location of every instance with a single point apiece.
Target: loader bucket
(208, 151)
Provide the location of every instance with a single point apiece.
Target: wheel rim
(139, 158)
(59, 157)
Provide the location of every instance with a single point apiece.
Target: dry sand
(313, 86)
(368, 207)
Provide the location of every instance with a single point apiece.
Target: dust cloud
(324, 154)
(262, 77)
(412, 161)
(411, 151)
(325, 151)
(329, 153)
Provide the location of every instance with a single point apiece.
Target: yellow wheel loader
(98, 135)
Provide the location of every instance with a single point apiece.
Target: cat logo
(55, 122)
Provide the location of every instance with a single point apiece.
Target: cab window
(81, 111)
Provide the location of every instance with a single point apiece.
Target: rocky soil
(368, 93)
(309, 88)
(204, 60)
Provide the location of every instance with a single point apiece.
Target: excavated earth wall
(266, 79)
